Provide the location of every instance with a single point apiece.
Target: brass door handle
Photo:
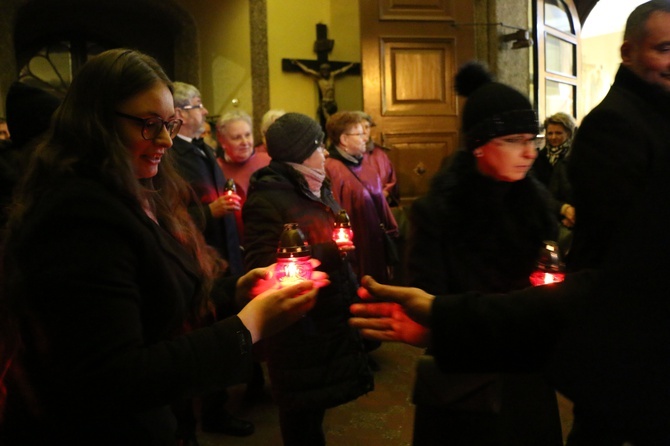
(420, 169)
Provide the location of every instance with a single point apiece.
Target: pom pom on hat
(470, 77)
(293, 138)
(492, 109)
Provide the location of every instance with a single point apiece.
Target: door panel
(416, 10)
(417, 156)
(410, 53)
(415, 77)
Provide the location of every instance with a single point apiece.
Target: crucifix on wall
(323, 71)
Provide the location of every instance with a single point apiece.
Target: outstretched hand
(392, 313)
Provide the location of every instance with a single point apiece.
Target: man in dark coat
(620, 140)
(196, 162)
(214, 210)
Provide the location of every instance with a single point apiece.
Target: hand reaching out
(392, 313)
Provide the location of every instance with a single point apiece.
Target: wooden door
(410, 51)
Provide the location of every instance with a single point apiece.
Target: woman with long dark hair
(109, 281)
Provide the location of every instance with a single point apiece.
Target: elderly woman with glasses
(359, 188)
(108, 280)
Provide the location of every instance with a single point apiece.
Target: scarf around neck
(348, 157)
(556, 153)
(314, 177)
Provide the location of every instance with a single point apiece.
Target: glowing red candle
(342, 233)
(550, 268)
(230, 188)
(293, 255)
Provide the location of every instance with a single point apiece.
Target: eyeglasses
(518, 141)
(192, 107)
(152, 127)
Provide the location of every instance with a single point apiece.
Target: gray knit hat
(492, 109)
(293, 138)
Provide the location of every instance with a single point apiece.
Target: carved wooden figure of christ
(323, 71)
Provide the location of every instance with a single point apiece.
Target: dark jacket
(614, 150)
(199, 167)
(554, 178)
(103, 295)
(318, 362)
(472, 232)
(602, 336)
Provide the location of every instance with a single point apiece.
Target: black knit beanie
(293, 138)
(492, 109)
(29, 111)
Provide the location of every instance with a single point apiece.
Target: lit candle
(342, 232)
(293, 255)
(230, 188)
(550, 268)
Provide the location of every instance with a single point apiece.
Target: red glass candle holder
(229, 188)
(550, 268)
(343, 235)
(293, 255)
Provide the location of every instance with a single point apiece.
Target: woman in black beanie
(480, 228)
(318, 362)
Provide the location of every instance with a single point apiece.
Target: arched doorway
(51, 39)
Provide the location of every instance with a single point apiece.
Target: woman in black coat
(318, 362)
(107, 279)
(480, 228)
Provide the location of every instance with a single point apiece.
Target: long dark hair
(83, 141)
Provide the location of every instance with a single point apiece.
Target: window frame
(542, 75)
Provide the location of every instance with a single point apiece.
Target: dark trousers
(302, 427)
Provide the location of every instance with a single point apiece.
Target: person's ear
(221, 139)
(342, 136)
(626, 53)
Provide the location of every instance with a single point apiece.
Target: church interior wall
(224, 30)
(291, 35)
(225, 54)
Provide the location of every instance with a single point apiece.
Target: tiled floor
(383, 417)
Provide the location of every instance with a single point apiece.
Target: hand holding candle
(260, 280)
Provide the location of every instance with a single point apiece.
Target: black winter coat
(614, 152)
(473, 233)
(199, 168)
(103, 294)
(320, 361)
